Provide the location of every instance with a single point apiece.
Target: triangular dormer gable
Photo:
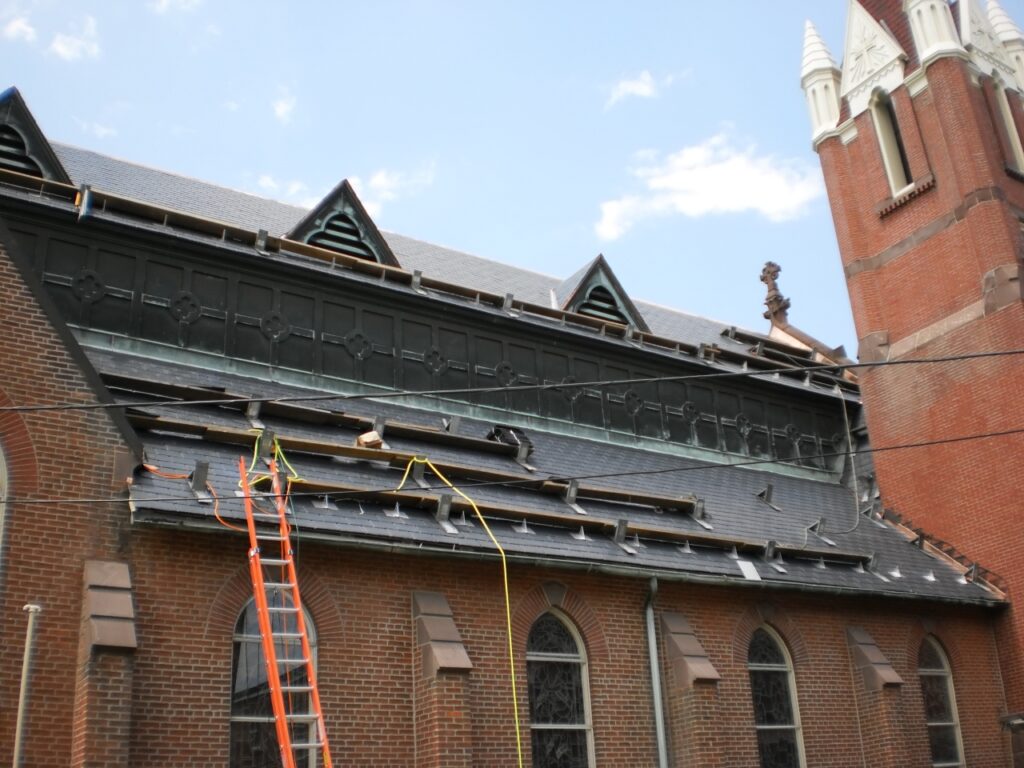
(596, 292)
(23, 147)
(341, 224)
(982, 42)
(872, 59)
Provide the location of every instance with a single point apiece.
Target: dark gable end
(595, 291)
(340, 223)
(23, 147)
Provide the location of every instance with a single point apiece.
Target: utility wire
(528, 481)
(567, 385)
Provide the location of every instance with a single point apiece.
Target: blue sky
(671, 136)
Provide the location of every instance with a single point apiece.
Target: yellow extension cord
(504, 576)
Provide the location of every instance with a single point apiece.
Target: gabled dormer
(982, 42)
(23, 147)
(341, 224)
(873, 60)
(594, 291)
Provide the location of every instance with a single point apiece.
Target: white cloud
(283, 107)
(266, 181)
(98, 130)
(386, 186)
(294, 187)
(714, 177)
(163, 6)
(19, 28)
(75, 46)
(641, 86)
(231, 105)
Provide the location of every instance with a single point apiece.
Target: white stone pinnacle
(1005, 27)
(816, 54)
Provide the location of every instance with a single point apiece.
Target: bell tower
(921, 150)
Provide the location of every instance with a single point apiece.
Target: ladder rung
(296, 688)
(269, 536)
(282, 609)
(307, 745)
(293, 661)
(278, 585)
(305, 717)
(286, 635)
(273, 561)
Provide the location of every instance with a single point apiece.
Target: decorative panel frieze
(342, 330)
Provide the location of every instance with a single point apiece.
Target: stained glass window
(939, 705)
(253, 735)
(775, 712)
(556, 671)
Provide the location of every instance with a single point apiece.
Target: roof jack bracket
(379, 425)
(918, 540)
(452, 424)
(522, 527)
(700, 515)
(773, 557)
(818, 529)
(197, 481)
(522, 453)
(266, 444)
(417, 281)
(570, 497)
(324, 502)
(396, 512)
(444, 508)
(685, 548)
(580, 535)
(417, 474)
(252, 413)
(507, 304)
(621, 528)
(462, 521)
(970, 575)
(84, 201)
(261, 240)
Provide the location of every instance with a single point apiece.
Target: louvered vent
(14, 154)
(601, 304)
(341, 235)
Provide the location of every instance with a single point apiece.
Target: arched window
(939, 704)
(253, 736)
(890, 142)
(776, 716)
(556, 670)
(1015, 155)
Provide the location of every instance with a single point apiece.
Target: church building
(281, 489)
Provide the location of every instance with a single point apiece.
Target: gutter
(625, 571)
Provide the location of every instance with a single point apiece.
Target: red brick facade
(934, 275)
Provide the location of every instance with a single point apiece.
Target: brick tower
(919, 135)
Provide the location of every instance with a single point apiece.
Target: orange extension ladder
(283, 633)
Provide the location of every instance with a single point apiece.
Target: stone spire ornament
(777, 303)
(820, 79)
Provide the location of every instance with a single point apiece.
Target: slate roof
(253, 213)
(176, 437)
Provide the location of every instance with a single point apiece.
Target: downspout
(26, 666)
(652, 653)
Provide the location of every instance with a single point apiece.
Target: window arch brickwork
(774, 697)
(939, 699)
(561, 731)
(556, 595)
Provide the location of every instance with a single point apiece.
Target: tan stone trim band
(1000, 287)
(870, 263)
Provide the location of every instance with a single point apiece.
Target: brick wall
(371, 679)
(916, 274)
(56, 456)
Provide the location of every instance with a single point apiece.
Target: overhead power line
(567, 385)
(527, 481)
